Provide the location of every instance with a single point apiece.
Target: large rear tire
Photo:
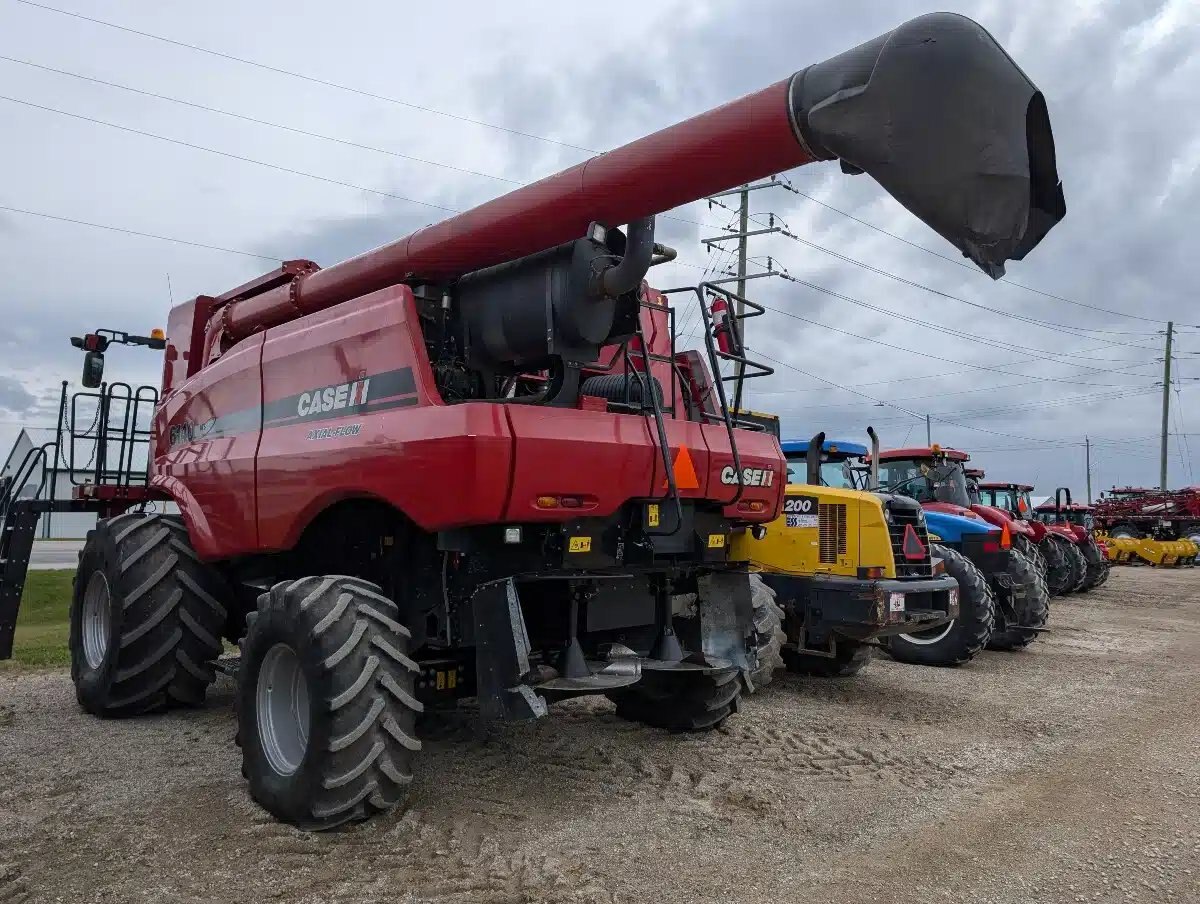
(326, 702)
(961, 639)
(768, 633)
(1096, 565)
(1076, 564)
(1030, 601)
(146, 617)
(1058, 568)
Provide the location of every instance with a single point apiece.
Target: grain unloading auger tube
(935, 111)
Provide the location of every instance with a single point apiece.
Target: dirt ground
(1069, 772)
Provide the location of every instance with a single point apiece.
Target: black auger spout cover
(939, 115)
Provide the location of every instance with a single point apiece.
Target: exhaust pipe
(813, 459)
(874, 479)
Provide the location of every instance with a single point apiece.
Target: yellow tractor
(846, 567)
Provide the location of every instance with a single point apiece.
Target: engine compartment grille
(907, 568)
(831, 519)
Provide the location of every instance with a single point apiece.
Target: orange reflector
(547, 502)
(685, 471)
(912, 547)
(156, 333)
(1005, 537)
(874, 572)
(752, 505)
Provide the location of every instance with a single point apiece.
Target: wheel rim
(282, 702)
(931, 636)
(96, 619)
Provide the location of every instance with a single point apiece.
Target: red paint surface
(443, 465)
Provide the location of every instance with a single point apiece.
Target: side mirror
(93, 369)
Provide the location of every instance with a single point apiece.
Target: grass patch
(42, 624)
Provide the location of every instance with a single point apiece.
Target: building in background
(46, 478)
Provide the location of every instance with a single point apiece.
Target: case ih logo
(331, 398)
(751, 477)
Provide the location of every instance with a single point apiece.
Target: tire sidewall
(288, 796)
(92, 684)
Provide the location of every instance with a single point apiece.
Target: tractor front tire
(1076, 565)
(768, 633)
(960, 639)
(1031, 605)
(1096, 567)
(850, 657)
(146, 617)
(326, 702)
(681, 701)
(1058, 567)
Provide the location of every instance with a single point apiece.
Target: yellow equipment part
(823, 530)
(1119, 550)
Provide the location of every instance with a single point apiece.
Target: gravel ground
(1069, 772)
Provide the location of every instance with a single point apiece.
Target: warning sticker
(579, 544)
(801, 520)
(896, 602)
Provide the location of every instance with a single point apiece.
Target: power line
(958, 334)
(145, 235)
(239, 157)
(261, 122)
(916, 353)
(789, 187)
(308, 78)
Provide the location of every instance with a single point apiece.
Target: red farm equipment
(1074, 561)
(1137, 512)
(472, 463)
(937, 478)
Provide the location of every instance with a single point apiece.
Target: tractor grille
(901, 518)
(832, 521)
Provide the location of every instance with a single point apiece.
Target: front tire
(961, 639)
(1076, 565)
(1030, 602)
(1096, 567)
(768, 633)
(1058, 568)
(326, 702)
(146, 617)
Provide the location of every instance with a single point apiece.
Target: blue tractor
(961, 543)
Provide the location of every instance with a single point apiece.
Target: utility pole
(1087, 445)
(928, 432)
(743, 228)
(1162, 461)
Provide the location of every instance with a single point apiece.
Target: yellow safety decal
(579, 544)
(716, 541)
(652, 516)
(441, 681)
(451, 679)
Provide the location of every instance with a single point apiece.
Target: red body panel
(999, 517)
(341, 404)
(209, 468)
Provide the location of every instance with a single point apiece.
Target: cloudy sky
(454, 103)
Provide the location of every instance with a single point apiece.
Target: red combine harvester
(472, 463)
(1141, 512)
(1073, 562)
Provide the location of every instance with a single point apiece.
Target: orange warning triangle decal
(685, 471)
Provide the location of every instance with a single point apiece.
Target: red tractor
(1079, 520)
(936, 477)
(1072, 563)
(472, 462)
(1142, 512)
